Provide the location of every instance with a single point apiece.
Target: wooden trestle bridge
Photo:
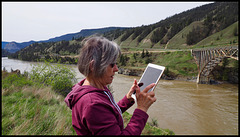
(208, 58)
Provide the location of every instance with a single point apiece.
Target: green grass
(126, 42)
(36, 109)
(146, 42)
(148, 129)
(179, 40)
(29, 109)
(222, 38)
(180, 63)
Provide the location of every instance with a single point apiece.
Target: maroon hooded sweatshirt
(94, 112)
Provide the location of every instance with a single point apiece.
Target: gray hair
(99, 50)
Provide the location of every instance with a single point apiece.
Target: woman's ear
(91, 66)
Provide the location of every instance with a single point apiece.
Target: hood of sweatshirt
(78, 91)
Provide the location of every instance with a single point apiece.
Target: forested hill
(14, 46)
(207, 19)
(214, 24)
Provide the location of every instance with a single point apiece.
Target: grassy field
(30, 108)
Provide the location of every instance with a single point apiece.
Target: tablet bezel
(162, 68)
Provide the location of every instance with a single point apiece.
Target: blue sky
(25, 21)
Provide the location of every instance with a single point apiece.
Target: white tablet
(151, 74)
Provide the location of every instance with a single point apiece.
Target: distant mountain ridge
(12, 47)
(194, 28)
(83, 33)
(4, 44)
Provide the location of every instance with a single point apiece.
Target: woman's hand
(132, 89)
(145, 99)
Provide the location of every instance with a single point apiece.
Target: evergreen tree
(143, 54)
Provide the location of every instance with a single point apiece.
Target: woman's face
(108, 75)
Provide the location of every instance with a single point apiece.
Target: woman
(94, 111)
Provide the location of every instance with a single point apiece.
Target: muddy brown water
(184, 107)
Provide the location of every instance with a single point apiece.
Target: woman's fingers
(151, 94)
(145, 99)
(148, 87)
(135, 82)
(133, 89)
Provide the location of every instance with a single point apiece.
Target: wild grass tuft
(28, 109)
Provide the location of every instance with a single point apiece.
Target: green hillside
(179, 40)
(228, 36)
(146, 42)
(214, 24)
(184, 30)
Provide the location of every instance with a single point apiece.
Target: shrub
(60, 77)
(62, 85)
(15, 79)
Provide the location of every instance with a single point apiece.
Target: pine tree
(143, 54)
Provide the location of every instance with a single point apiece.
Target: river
(184, 107)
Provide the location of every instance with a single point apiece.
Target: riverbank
(139, 72)
(227, 74)
(180, 65)
(29, 108)
(202, 109)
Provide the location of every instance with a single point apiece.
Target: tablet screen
(151, 74)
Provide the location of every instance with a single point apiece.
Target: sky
(26, 21)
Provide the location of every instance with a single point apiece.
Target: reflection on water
(185, 107)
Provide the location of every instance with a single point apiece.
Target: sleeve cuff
(141, 113)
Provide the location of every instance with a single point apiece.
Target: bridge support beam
(207, 58)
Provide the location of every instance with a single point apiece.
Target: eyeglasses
(113, 64)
